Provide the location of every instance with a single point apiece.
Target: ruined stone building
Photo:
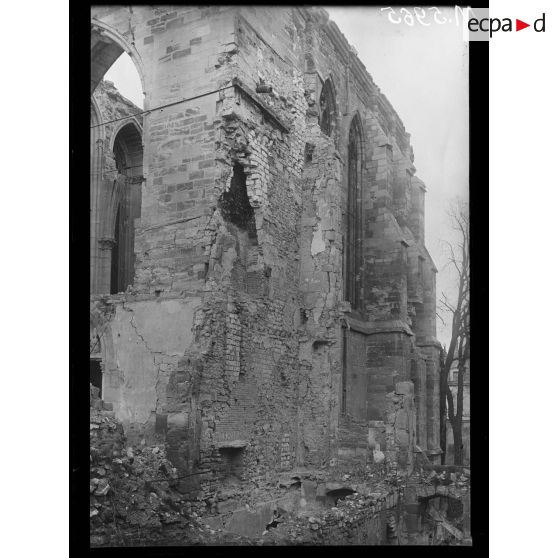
(261, 295)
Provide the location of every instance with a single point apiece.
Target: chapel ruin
(262, 300)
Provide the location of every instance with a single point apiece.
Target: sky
(423, 71)
(124, 75)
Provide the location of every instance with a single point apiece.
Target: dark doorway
(96, 375)
(333, 496)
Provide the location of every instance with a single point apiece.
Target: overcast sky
(423, 71)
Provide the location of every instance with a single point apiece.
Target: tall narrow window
(128, 158)
(353, 240)
(327, 108)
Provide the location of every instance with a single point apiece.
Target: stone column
(418, 375)
(95, 188)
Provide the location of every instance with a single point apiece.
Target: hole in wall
(309, 152)
(333, 496)
(232, 459)
(235, 205)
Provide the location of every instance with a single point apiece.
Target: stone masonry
(261, 295)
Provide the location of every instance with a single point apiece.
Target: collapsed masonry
(135, 500)
(262, 298)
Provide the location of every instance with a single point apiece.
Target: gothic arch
(353, 244)
(107, 45)
(128, 124)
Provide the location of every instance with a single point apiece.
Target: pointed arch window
(128, 157)
(353, 250)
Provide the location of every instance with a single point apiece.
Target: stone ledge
(371, 328)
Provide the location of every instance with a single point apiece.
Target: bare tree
(458, 349)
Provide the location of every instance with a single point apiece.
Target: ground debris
(126, 506)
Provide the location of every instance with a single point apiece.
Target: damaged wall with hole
(281, 307)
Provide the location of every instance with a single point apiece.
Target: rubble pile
(345, 523)
(361, 517)
(136, 499)
(133, 495)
